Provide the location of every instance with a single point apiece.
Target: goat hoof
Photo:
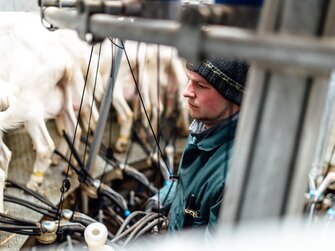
(121, 146)
(3, 107)
(55, 160)
(70, 173)
(33, 185)
(35, 180)
(4, 103)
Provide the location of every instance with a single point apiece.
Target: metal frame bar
(103, 114)
(284, 49)
(280, 123)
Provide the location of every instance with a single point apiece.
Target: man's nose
(189, 90)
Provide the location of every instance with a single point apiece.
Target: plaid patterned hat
(226, 75)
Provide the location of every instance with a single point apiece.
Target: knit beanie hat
(226, 75)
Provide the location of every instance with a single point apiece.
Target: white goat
(40, 74)
(144, 56)
(124, 82)
(172, 81)
(41, 71)
(80, 53)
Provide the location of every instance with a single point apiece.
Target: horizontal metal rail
(290, 50)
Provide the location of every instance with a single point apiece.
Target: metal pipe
(57, 3)
(140, 29)
(61, 18)
(291, 50)
(318, 165)
(283, 49)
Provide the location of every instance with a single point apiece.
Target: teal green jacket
(202, 172)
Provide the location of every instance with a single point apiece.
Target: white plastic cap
(95, 235)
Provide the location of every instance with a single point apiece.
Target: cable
(141, 222)
(92, 102)
(81, 164)
(63, 188)
(142, 102)
(158, 184)
(119, 46)
(128, 219)
(73, 151)
(149, 227)
(18, 226)
(141, 227)
(114, 196)
(11, 183)
(131, 171)
(66, 160)
(18, 221)
(140, 177)
(117, 218)
(37, 208)
(23, 230)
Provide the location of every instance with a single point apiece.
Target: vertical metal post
(103, 114)
(280, 121)
(319, 163)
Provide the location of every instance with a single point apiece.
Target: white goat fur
(39, 76)
(171, 70)
(42, 76)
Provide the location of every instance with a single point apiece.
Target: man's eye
(202, 86)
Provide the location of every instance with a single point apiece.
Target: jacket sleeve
(214, 214)
(215, 211)
(164, 198)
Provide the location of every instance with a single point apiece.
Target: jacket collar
(208, 139)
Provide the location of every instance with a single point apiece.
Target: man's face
(205, 103)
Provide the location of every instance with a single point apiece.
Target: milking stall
(110, 112)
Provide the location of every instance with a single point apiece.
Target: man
(214, 94)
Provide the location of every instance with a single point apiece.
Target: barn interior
(94, 122)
